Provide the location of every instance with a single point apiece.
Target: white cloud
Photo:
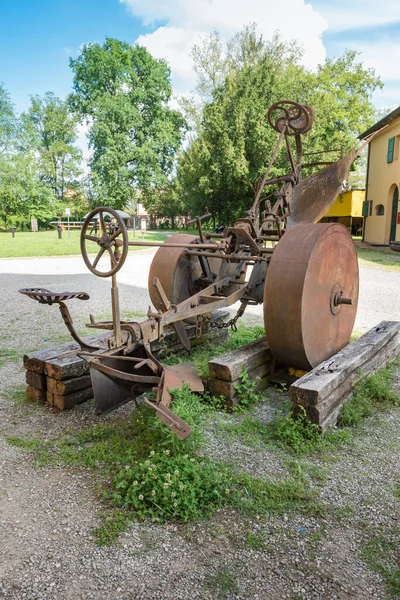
(359, 13)
(383, 56)
(184, 21)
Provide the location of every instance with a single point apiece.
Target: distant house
(348, 211)
(381, 205)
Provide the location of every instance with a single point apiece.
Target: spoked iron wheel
(311, 294)
(114, 243)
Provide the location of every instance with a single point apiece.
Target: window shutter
(365, 208)
(390, 150)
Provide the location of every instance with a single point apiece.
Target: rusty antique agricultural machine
(304, 273)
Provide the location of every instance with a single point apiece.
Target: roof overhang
(395, 114)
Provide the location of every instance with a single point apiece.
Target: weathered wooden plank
(324, 389)
(35, 394)
(65, 368)
(37, 380)
(67, 386)
(229, 366)
(71, 400)
(218, 387)
(34, 361)
(49, 398)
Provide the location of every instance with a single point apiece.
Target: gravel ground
(47, 514)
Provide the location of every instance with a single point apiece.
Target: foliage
(167, 486)
(22, 192)
(247, 391)
(371, 392)
(52, 132)
(234, 142)
(8, 121)
(296, 434)
(122, 92)
(221, 583)
(382, 555)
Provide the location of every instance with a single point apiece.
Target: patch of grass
(382, 555)
(370, 393)
(222, 583)
(396, 491)
(111, 527)
(18, 395)
(146, 472)
(203, 354)
(4, 353)
(26, 443)
(298, 435)
(380, 257)
(306, 470)
(256, 540)
(46, 243)
(248, 430)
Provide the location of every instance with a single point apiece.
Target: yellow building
(381, 206)
(348, 211)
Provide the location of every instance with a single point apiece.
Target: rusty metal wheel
(175, 272)
(179, 276)
(311, 294)
(115, 243)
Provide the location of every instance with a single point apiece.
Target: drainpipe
(366, 188)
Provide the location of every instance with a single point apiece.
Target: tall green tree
(8, 122)
(52, 131)
(224, 163)
(123, 93)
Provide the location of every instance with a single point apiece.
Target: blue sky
(37, 37)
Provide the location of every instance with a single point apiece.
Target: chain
(232, 322)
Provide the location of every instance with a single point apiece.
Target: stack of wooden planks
(60, 378)
(322, 392)
(226, 370)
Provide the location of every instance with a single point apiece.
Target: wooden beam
(324, 389)
(229, 366)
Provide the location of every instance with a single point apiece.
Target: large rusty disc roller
(311, 294)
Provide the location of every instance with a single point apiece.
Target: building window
(390, 152)
(380, 210)
(370, 208)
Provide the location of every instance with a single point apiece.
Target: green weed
(256, 540)
(111, 527)
(370, 393)
(382, 555)
(296, 434)
(396, 491)
(246, 391)
(248, 430)
(27, 444)
(221, 583)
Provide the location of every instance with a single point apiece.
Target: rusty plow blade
(314, 196)
(118, 379)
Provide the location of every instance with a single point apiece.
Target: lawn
(46, 243)
(381, 258)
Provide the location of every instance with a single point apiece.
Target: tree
(8, 121)
(123, 93)
(52, 131)
(224, 163)
(22, 192)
